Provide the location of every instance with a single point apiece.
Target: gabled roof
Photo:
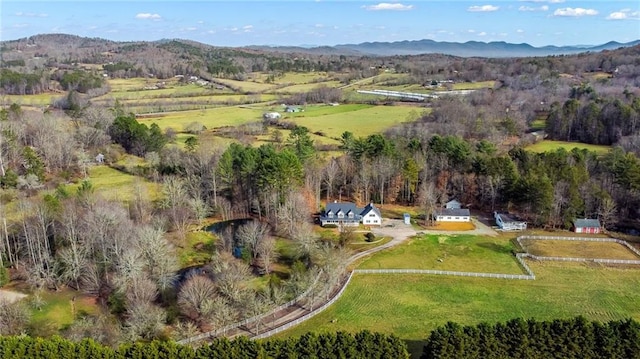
(368, 208)
(586, 223)
(453, 212)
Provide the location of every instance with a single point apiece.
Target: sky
(328, 22)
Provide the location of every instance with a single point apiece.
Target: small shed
(292, 109)
(407, 218)
(587, 225)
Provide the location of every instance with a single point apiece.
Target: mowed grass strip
(410, 306)
(551, 145)
(59, 309)
(464, 253)
(578, 249)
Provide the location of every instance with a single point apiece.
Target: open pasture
(300, 77)
(39, 100)
(473, 85)
(410, 306)
(362, 122)
(306, 87)
(551, 145)
(245, 86)
(578, 249)
(465, 253)
(117, 185)
(210, 118)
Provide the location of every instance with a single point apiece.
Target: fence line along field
(412, 305)
(465, 253)
(578, 249)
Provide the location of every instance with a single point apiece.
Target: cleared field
(117, 185)
(363, 122)
(305, 87)
(550, 145)
(473, 85)
(410, 306)
(464, 253)
(453, 226)
(578, 249)
(211, 118)
(246, 86)
(59, 309)
(39, 100)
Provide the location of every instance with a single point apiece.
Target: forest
(519, 338)
(59, 232)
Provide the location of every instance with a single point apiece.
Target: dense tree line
(18, 83)
(590, 118)
(519, 338)
(365, 345)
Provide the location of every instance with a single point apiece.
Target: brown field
(453, 226)
(578, 249)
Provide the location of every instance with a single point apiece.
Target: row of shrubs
(365, 345)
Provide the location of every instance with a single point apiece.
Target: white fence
(444, 272)
(306, 316)
(583, 239)
(519, 257)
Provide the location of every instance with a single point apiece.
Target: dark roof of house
(368, 208)
(508, 219)
(455, 212)
(346, 208)
(586, 223)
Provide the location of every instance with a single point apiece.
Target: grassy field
(306, 87)
(246, 86)
(197, 248)
(117, 185)
(550, 145)
(40, 100)
(473, 85)
(57, 313)
(410, 306)
(465, 253)
(210, 118)
(576, 249)
(362, 122)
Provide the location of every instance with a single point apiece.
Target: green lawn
(211, 118)
(116, 185)
(473, 85)
(40, 100)
(410, 306)
(246, 86)
(550, 145)
(197, 248)
(306, 87)
(466, 253)
(57, 311)
(361, 122)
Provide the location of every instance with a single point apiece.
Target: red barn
(587, 225)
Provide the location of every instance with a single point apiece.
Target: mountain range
(466, 49)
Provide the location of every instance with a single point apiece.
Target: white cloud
(530, 8)
(519, 31)
(575, 12)
(146, 15)
(482, 34)
(483, 8)
(624, 14)
(30, 14)
(388, 6)
(247, 27)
